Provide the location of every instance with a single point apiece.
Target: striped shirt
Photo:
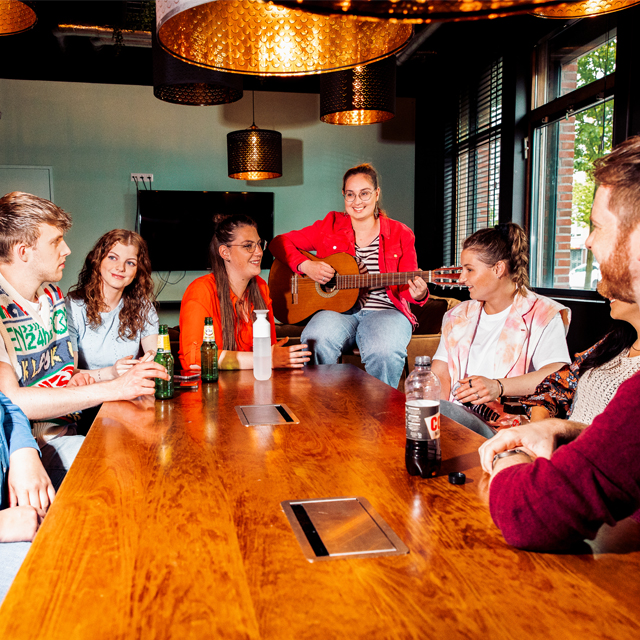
(372, 298)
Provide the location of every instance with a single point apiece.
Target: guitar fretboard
(380, 280)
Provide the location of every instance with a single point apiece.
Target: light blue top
(102, 347)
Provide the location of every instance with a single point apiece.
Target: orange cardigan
(201, 301)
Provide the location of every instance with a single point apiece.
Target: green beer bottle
(164, 388)
(209, 353)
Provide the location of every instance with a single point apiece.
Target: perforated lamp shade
(363, 95)
(177, 82)
(250, 37)
(15, 17)
(254, 154)
(584, 9)
(417, 11)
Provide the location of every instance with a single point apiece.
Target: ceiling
(52, 52)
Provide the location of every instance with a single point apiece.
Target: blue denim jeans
(57, 456)
(381, 335)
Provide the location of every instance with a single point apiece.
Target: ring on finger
(477, 396)
(470, 383)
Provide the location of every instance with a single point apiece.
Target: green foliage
(581, 203)
(593, 129)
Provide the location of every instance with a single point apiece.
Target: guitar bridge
(294, 289)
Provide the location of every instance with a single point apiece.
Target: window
(472, 160)
(573, 125)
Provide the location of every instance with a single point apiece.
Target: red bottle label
(422, 419)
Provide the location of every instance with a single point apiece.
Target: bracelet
(506, 454)
(501, 388)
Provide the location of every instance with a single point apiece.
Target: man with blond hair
(37, 370)
(549, 497)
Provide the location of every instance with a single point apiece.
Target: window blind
(472, 160)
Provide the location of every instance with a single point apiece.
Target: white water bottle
(261, 345)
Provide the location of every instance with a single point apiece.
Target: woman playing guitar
(380, 323)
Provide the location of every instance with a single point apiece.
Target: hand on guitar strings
(293, 357)
(418, 289)
(320, 272)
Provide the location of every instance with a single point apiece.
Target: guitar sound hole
(330, 286)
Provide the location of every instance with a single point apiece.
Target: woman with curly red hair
(110, 310)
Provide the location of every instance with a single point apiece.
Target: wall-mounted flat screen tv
(178, 225)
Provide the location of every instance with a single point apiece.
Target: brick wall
(566, 151)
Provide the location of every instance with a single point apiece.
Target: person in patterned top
(570, 392)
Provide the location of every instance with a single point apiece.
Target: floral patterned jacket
(557, 391)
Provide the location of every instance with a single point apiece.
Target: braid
(519, 260)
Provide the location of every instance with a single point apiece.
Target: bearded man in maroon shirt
(548, 497)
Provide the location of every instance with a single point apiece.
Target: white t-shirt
(551, 348)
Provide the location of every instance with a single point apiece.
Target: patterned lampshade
(256, 38)
(181, 83)
(16, 17)
(419, 11)
(362, 95)
(254, 154)
(584, 8)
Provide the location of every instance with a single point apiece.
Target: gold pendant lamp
(16, 17)
(254, 154)
(584, 9)
(362, 95)
(420, 11)
(256, 38)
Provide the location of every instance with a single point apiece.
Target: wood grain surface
(169, 526)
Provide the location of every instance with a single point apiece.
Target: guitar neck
(380, 280)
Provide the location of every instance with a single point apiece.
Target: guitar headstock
(447, 277)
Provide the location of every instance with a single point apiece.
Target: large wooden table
(169, 526)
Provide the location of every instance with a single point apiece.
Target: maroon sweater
(553, 504)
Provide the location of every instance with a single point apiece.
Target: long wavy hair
(225, 233)
(137, 297)
(507, 242)
(621, 337)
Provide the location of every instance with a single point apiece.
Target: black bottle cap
(457, 477)
(513, 407)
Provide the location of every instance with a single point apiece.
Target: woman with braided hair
(506, 339)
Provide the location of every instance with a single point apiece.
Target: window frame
(588, 96)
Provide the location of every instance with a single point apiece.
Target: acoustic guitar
(295, 297)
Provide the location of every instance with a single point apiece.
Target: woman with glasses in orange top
(381, 322)
(229, 294)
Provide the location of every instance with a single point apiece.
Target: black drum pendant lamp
(584, 9)
(421, 11)
(16, 17)
(254, 154)
(177, 82)
(258, 38)
(362, 95)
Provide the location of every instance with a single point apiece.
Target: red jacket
(334, 234)
(552, 504)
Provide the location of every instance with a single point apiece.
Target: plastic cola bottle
(422, 418)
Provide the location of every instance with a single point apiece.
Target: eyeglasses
(365, 195)
(250, 246)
